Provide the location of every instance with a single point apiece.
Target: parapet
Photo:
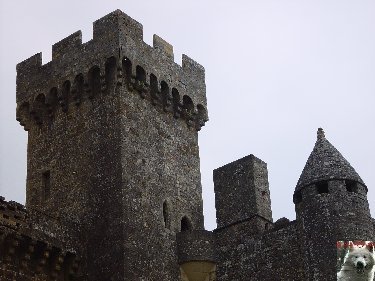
(281, 223)
(12, 214)
(162, 45)
(197, 254)
(119, 23)
(26, 250)
(115, 56)
(67, 45)
(198, 245)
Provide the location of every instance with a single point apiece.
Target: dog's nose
(360, 265)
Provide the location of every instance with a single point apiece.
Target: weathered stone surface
(31, 252)
(242, 188)
(326, 163)
(113, 147)
(113, 182)
(197, 245)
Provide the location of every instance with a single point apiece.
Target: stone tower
(242, 187)
(113, 147)
(331, 205)
(113, 181)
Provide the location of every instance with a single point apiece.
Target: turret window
(351, 186)
(322, 187)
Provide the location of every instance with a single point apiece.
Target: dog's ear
(370, 246)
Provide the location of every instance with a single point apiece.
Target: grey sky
(275, 72)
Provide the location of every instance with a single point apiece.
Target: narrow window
(322, 187)
(46, 183)
(351, 186)
(166, 215)
(186, 224)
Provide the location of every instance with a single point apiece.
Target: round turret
(326, 163)
(331, 205)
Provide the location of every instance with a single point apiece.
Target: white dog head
(362, 258)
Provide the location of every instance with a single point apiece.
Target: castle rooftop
(326, 163)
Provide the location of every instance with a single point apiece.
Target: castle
(113, 180)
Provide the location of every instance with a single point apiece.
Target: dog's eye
(365, 257)
(356, 257)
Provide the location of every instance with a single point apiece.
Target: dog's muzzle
(360, 267)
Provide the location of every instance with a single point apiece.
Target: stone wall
(113, 180)
(245, 255)
(28, 252)
(241, 191)
(113, 147)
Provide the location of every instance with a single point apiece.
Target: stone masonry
(113, 189)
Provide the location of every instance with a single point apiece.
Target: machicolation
(113, 188)
(80, 72)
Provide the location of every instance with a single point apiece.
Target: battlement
(116, 56)
(12, 214)
(198, 245)
(197, 255)
(120, 21)
(71, 43)
(26, 250)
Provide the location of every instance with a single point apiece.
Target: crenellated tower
(113, 189)
(113, 146)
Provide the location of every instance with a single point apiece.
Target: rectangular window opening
(46, 183)
(322, 187)
(351, 186)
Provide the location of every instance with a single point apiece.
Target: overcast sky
(275, 72)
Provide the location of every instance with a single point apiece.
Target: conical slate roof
(325, 163)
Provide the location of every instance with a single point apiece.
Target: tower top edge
(113, 31)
